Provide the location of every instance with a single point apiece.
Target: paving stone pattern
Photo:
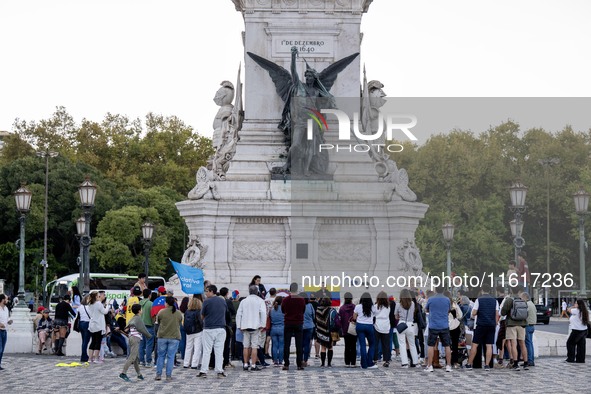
(31, 373)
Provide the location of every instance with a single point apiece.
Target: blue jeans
(85, 334)
(277, 340)
(307, 342)
(529, 343)
(3, 338)
(167, 348)
(119, 340)
(366, 331)
(147, 347)
(183, 343)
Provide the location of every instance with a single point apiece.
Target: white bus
(116, 286)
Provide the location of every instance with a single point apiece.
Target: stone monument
(251, 213)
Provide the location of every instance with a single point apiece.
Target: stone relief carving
(258, 251)
(195, 253)
(411, 258)
(334, 251)
(386, 168)
(193, 256)
(226, 124)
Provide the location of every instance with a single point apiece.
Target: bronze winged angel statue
(302, 98)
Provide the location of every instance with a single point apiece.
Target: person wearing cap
(134, 299)
(44, 327)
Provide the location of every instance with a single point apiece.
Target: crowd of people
(209, 331)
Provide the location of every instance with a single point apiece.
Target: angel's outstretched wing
(329, 74)
(280, 76)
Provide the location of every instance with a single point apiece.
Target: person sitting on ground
(44, 327)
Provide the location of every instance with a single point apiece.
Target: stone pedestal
(20, 332)
(346, 221)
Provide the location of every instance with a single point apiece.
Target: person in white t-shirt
(5, 321)
(382, 327)
(564, 309)
(575, 344)
(363, 315)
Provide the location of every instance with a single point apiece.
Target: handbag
(335, 336)
(402, 326)
(352, 330)
(76, 325)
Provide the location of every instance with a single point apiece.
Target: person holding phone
(97, 327)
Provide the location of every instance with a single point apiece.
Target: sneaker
(317, 356)
(140, 377)
(246, 367)
(202, 375)
(256, 368)
(124, 377)
(429, 369)
(373, 367)
(169, 378)
(148, 365)
(448, 368)
(487, 368)
(404, 365)
(515, 366)
(386, 364)
(525, 366)
(222, 375)
(99, 362)
(468, 366)
(158, 377)
(268, 356)
(230, 365)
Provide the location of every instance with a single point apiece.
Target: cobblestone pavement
(25, 374)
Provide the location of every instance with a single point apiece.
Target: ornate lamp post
(87, 191)
(147, 231)
(45, 154)
(518, 192)
(84, 242)
(23, 202)
(448, 236)
(581, 204)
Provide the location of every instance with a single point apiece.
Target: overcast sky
(136, 56)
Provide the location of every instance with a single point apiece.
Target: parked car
(543, 313)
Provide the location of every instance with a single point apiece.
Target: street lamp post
(547, 163)
(23, 202)
(581, 199)
(87, 191)
(448, 236)
(45, 154)
(518, 192)
(84, 243)
(147, 231)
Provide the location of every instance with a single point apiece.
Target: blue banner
(191, 278)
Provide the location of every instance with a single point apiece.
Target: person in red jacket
(293, 307)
